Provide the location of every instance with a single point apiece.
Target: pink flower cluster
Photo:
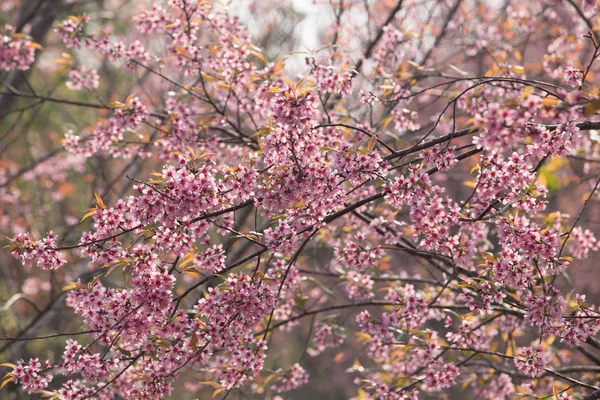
(359, 257)
(83, 78)
(71, 31)
(331, 79)
(545, 310)
(359, 286)
(480, 296)
(290, 379)
(16, 50)
(325, 336)
(42, 252)
(214, 247)
(108, 134)
(582, 242)
(580, 324)
(212, 260)
(532, 360)
(228, 315)
(573, 76)
(32, 375)
(413, 307)
(356, 165)
(440, 375)
(443, 158)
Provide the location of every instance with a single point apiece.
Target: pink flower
(42, 252)
(16, 50)
(31, 375)
(533, 360)
(290, 379)
(573, 76)
(71, 31)
(83, 78)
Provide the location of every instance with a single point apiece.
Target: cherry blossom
(385, 199)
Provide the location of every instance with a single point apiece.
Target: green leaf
(548, 179)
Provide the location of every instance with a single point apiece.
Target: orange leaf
(5, 382)
(91, 211)
(35, 45)
(99, 201)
